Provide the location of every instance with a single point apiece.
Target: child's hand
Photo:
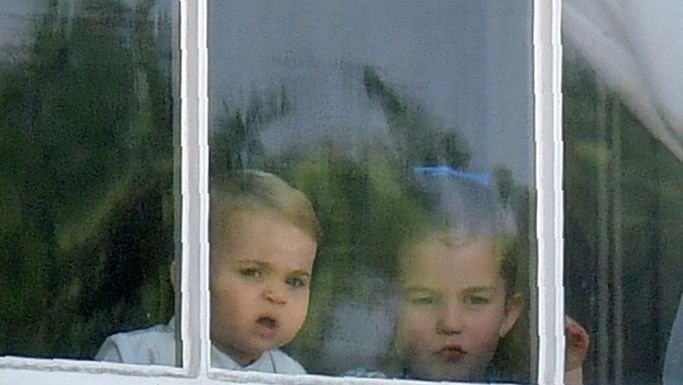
(577, 344)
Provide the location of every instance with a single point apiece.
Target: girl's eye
(422, 300)
(251, 273)
(295, 282)
(477, 300)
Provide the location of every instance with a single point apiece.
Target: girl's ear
(513, 308)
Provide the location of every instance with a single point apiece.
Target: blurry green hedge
(86, 183)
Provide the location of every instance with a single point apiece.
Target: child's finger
(577, 344)
(577, 335)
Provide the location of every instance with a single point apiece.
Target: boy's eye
(295, 282)
(251, 273)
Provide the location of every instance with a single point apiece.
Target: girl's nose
(450, 320)
(274, 295)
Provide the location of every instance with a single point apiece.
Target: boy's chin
(244, 358)
(265, 345)
(243, 355)
(249, 348)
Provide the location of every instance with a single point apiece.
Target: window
(384, 145)
(88, 196)
(623, 193)
(348, 98)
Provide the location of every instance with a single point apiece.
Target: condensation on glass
(624, 187)
(408, 128)
(87, 192)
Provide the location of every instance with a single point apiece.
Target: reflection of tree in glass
(418, 142)
(366, 203)
(86, 184)
(236, 140)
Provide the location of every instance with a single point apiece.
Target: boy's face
(260, 279)
(452, 310)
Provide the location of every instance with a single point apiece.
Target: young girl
(458, 291)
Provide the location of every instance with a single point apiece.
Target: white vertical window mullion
(194, 158)
(548, 163)
(202, 85)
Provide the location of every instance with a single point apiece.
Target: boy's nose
(274, 295)
(450, 321)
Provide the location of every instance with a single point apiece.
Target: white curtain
(636, 48)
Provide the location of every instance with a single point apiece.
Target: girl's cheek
(420, 317)
(487, 324)
(411, 325)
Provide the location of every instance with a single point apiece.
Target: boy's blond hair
(259, 192)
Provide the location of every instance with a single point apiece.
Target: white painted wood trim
(30, 376)
(550, 214)
(195, 169)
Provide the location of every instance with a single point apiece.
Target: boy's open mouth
(267, 322)
(268, 326)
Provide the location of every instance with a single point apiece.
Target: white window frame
(194, 153)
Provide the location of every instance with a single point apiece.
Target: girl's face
(452, 309)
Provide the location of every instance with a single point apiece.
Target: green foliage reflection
(86, 144)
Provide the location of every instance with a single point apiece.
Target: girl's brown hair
(458, 209)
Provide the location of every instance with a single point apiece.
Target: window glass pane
(408, 127)
(624, 187)
(87, 197)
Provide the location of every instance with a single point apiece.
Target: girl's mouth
(452, 353)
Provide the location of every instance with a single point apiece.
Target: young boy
(263, 236)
